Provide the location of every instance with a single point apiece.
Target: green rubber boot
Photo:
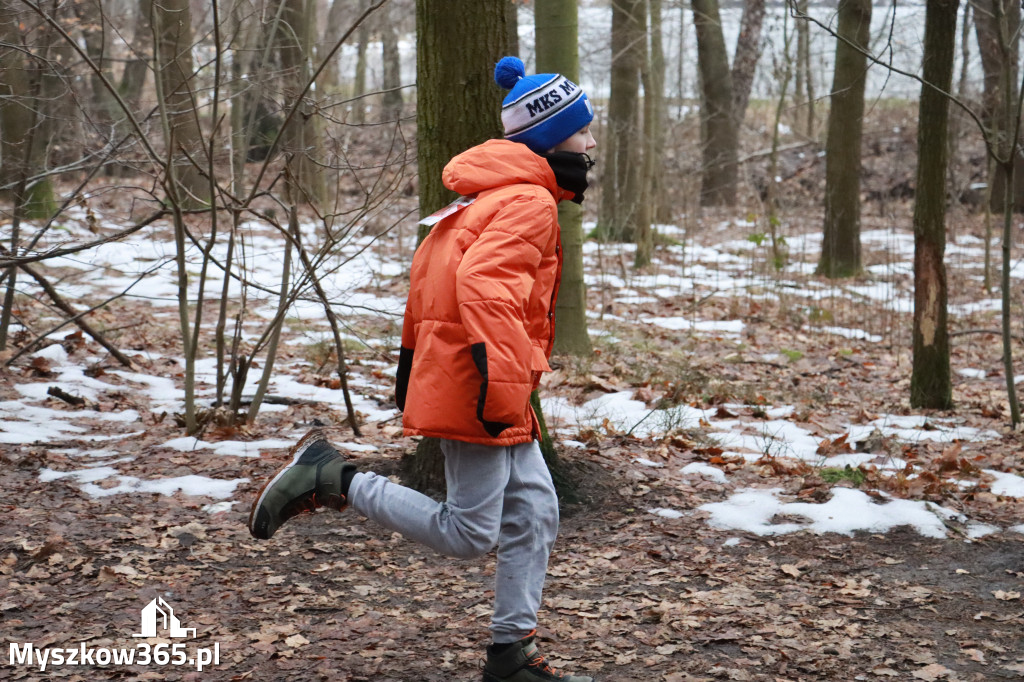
(316, 477)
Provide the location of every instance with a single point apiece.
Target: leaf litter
(760, 502)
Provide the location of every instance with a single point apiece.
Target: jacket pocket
(493, 428)
(538, 365)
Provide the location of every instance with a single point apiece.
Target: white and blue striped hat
(540, 110)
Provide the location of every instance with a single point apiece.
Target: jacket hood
(499, 163)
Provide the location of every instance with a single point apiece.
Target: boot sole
(297, 451)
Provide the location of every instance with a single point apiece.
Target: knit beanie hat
(541, 110)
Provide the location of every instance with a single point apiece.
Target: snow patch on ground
(760, 512)
(237, 448)
(705, 471)
(1006, 484)
(190, 484)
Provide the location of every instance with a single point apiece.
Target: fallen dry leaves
(630, 595)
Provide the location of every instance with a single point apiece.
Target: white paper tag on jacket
(454, 207)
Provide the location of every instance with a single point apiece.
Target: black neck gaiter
(570, 169)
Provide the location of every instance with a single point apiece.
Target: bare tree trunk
(931, 382)
(997, 27)
(986, 28)
(804, 72)
(15, 116)
(15, 122)
(620, 177)
(244, 93)
(141, 57)
(359, 86)
(424, 469)
(1009, 155)
(653, 79)
(172, 26)
(664, 210)
(783, 74)
(29, 96)
(330, 78)
(744, 61)
(392, 67)
(840, 250)
(1008, 370)
(105, 109)
(27, 101)
(718, 125)
(958, 117)
(483, 30)
(300, 139)
(556, 26)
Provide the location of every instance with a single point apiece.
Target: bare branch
(56, 253)
(986, 136)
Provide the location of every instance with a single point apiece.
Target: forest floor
(758, 501)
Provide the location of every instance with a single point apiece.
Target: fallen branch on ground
(58, 392)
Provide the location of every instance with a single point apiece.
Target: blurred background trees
(203, 118)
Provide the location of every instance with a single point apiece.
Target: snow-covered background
(718, 265)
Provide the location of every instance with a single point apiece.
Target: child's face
(581, 141)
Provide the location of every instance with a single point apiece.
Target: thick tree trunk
(24, 114)
(33, 89)
(986, 26)
(172, 25)
(300, 140)
(423, 470)
(718, 125)
(744, 61)
(458, 106)
(104, 108)
(244, 93)
(931, 382)
(620, 176)
(840, 250)
(329, 78)
(557, 52)
(997, 25)
(15, 117)
(458, 103)
(141, 56)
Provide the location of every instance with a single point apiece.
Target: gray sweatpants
(497, 495)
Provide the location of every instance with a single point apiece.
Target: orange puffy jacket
(479, 323)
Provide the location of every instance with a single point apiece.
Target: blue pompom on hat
(540, 110)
